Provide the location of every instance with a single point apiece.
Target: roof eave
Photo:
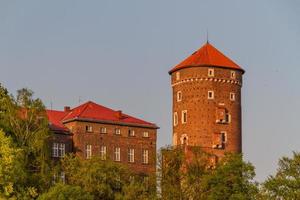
(206, 65)
(153, 126)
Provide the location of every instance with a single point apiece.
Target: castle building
(94, 130)
(207, 102)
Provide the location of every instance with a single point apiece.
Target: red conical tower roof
(207, 55)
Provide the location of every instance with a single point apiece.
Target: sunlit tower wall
(206, 91)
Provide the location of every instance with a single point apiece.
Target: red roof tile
(55, 119)
(207, 55)
(96, 112)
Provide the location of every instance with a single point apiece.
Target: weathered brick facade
(89, 127)
(210, 95)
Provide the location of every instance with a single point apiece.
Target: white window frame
(212, 96)
(55, 149)
(103, 130)
(232, 96)
(232, 75)
(179, 96)
(61, 150)
(88, 128)
(145, 156)
(177, 76)
(117, 153)
(88, 151)
(145, 134)
(175, 119)
(131, 155)
(184, 117)
(131, 133)
(211, 72)
(103, 152)
(118, 131)
(224, 133)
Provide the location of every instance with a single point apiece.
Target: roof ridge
(85, 107)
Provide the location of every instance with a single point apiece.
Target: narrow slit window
(211, 95)
(211, 72)
(184, 116)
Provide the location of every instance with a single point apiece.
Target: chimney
(119, 114)
(67, 108)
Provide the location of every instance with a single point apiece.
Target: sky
(118, 53)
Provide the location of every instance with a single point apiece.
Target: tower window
(175, 120)
(232, 74)
(184, 116)
(179, 96)
(177, 76)
(211, 95)
(211, 72)
(223, 137)
(223, 116)
(232, 96)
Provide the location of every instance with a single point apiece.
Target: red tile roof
(55, 119)
(91, 111)
(207, 55)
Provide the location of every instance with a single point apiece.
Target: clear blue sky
(118, 53)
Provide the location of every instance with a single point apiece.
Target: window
(131, 133)
(55, 150)
(89, 129)
(58, 150)
(232, 74)
(211, 72)
(61, 150)
(117, 154)
(179, 96)
(103, 130)
(177, 76)
(62, 177)
(210, 95)
(88, 151)
(219, 140)
(223, 137)
(232, 96)
(145, 158)
(131, 155)
(118, 131)
(145, 134)
(184, 116)
(223, 116)
(103, 152)
(175, 119)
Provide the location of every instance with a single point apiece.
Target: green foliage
(24, 119)
(66, 192)
(286, 183)
(102, 179)
(232, 180)
(12, 174)
(191, 176)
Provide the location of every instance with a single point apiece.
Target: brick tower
(207, 102)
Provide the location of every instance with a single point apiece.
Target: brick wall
(201, 128)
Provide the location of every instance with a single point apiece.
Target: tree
(24, 119)
(66, 192)
(106, 179)
(286, 183)
(12, 174)
(231, 180)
